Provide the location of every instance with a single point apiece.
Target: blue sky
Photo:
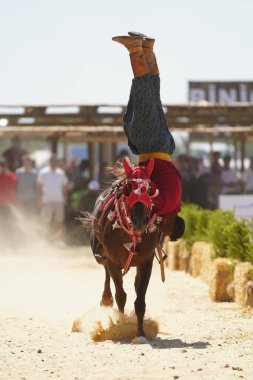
(60, 52)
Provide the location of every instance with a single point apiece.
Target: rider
(147, 131)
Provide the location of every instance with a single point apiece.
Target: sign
(242, 205)
(221, 92)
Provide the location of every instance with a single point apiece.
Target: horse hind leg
(141, 284)
(107, 298)
(120, 294)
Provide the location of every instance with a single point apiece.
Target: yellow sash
(148, 156)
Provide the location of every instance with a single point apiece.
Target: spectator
(14, 154)
(7, 185)
(216, 168)
(88, 200)
(198, 185)
(26, 185)
(52, 192)
(80, 200)
(74, 196)
(80, 172)
(214, 180)
(7, 198)
(76, 234)
(228, 178)
(184, 167)
(247, 179)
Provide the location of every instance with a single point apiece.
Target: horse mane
(87, 220)
(118, 172)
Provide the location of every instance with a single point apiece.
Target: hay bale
(249, 294)
(201, 260)
(207, 264)
(231, 290)
(184, 256)
(222, 276)
(173, 257)
(243, 275)
(196, 258)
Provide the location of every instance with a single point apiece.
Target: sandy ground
(42, 291)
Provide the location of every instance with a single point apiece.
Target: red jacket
(7, 189)
(168, 180)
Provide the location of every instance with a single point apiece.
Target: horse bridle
(142, 191)
(122, 212)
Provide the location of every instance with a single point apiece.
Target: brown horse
(125, 235)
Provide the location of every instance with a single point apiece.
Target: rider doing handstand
(147, 131)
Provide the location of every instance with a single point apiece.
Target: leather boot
(134, 46)
(147, 46)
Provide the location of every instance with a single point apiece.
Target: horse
(124, 233)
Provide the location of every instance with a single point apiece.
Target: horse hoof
(106, 303)
(140, 340)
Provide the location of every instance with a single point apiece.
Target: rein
(135, 237)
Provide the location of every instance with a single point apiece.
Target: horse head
(138, 193)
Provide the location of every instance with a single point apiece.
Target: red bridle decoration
(138, 186)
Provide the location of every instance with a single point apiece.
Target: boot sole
(135, 34)
(132, 34)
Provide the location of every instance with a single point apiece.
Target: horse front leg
(107, 298)
(141, 284)
(120, 294)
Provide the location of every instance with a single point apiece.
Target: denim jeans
(144, 121)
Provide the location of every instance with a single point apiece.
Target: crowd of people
(58, 193)
(55, 195)
(203, 185)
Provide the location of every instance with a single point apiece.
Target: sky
(61, 52)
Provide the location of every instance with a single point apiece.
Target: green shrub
(190, 214)
(230, 237)
(218, 231)
(238, 240)
(250, 248)
(202, 227)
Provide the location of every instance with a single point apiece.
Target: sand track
(43, 291)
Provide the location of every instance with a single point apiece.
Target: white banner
(241, 204)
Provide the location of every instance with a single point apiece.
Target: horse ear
(127, 167)
(150, 167)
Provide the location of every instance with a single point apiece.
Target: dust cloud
(41, 279)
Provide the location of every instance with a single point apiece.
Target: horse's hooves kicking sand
(111, 325)
(140, 340)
